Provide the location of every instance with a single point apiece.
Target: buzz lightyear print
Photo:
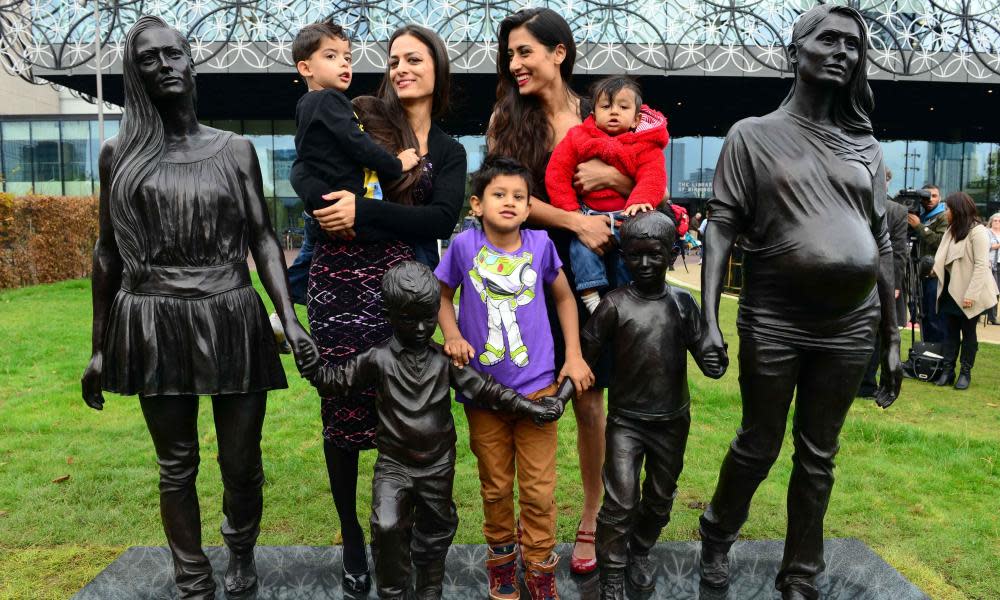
(504, 283)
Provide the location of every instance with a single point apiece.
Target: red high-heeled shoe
(582, 566)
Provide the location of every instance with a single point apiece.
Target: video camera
(912, 199)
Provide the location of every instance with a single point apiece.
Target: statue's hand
(892, 374)
(91, 382)
(546, 410)
(715, 353)
(304, 348)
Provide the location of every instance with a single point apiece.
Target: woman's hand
(967, 303)
(594, 232)
(594, 175)
(93, 395)
(339, 217)
(715, 352)
(577, 370)
(303, 347)
(459, 351)
(891, 379)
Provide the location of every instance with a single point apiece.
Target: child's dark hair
(610, 86)
(410, 284)
(495, 166)
(652, 225)
(308, 39)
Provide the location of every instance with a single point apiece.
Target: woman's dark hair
(494, 166)
(384, 118)
(964, 215)
(610, 86)
(519, 126)
(138, 149)
(855, 100)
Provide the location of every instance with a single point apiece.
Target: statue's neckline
(206, 151)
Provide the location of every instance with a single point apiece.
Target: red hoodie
(637, 154)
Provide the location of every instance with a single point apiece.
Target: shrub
(45, 238)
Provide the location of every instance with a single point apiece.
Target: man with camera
(928, 228)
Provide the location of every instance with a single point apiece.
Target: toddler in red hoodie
(628, 135)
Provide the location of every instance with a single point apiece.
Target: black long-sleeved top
(649, 339)
(415, 425)
(332, 148)
(434, 219)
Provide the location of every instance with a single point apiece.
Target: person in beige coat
(967, 287)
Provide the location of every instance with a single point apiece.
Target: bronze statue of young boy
(413, 517)
(649, 327)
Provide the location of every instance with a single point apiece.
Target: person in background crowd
(994, 230)
(929, 227)
(967, 288)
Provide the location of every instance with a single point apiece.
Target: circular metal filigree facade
(955, 40)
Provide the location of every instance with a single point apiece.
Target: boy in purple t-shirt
(503, 330)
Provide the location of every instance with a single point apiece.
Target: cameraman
(929, 228)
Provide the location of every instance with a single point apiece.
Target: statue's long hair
(855, 101)
(138, 150)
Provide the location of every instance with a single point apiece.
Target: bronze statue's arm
(718, 248)
(270, 260)
(892, 370)
(105, 282)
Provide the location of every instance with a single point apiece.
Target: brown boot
(541, 579)
(501, 567)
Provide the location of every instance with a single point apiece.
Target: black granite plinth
(853, 571)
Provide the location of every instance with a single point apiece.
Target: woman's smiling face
(411, 68)
(532, 64)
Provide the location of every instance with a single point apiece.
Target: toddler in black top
(412, 508)
(333, 151)
(648, 327)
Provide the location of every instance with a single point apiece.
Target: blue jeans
(932, 325)
(298, 272)
(590, 270)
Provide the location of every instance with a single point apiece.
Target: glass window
(259, 134)
(110, 131)
(475, 150)
(916, 164)
(45, 147)
(711, 148)
(282, 159)
(944, 166)
(77, 174)
(17, 157)
(234, 125)
(685, 161)
(979, 172)
(894, 154)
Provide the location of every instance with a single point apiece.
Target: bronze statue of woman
(175, 314)
(802, 190)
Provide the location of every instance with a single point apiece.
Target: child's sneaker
(501, 567)
(541, 579)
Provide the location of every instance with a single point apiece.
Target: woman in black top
(367, 237)
(803, 191)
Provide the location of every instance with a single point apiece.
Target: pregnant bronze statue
(802, 190)
(175, 314)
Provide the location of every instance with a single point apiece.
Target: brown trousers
(500, 442)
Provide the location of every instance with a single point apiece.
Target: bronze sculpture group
(801, 190)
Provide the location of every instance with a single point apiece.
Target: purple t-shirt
(501, 310)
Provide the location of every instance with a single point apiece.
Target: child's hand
(632, 210)
(409, 158)
(546, 410)
(459, 351)
(579, 373)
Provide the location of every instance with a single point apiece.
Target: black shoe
(964, 379)
(641, 572)
(714, 567)
(358, 583)
(947, 377)
(612, 585)
(241, 576)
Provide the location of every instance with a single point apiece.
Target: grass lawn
(918, 483)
